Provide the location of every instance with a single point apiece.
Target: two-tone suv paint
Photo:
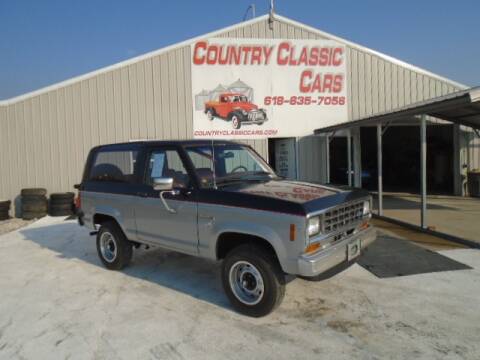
(221, 201)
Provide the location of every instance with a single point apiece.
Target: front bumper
(255, 117)
(315, 264)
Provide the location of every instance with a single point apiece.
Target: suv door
(155, 224)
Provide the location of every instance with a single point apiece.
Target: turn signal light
(292, 232)
(364, 225)
(312, 248)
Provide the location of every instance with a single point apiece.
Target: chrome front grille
(342, 217)
(256, 115)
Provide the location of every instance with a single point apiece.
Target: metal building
(45, 135)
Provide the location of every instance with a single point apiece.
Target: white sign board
(259, 88)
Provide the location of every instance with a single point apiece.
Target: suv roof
(166, 143)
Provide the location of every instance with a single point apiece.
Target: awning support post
(327, 159)
(380, 169)
(349, 156)
(423, 169)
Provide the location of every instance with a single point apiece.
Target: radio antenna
(270, 17)
(251, 7)
(213, 167)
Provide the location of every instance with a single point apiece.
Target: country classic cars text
(283, 54)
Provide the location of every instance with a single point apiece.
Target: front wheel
(236, 122)
(253, 280)
(113, 247)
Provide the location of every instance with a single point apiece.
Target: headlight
(244, 112)
(313, 226)
(366, 208)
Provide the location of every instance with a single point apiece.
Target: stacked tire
(4, 209)
(61, 204)
(34, 203)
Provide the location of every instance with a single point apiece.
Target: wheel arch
(228, 240)
(100, 217)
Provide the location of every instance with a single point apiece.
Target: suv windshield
(232, 163)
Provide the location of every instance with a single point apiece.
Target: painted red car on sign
(236, 108)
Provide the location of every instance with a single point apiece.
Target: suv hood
(245, 106)
(293, 191)
(287, 196)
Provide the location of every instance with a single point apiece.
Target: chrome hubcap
(246, 283)
(108, 247)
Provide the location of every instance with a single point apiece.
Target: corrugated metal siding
(312, 159)
(473, 148)
(45, 138)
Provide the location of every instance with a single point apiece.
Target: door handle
(164, 202)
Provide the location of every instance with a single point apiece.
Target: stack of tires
(34, 203)
(4, 209)
(61, 204)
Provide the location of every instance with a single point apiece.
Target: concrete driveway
(58, 302)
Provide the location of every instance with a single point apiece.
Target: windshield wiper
(254, 176)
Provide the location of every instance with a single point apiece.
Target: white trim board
(213, 34)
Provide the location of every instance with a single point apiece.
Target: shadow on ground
(197, 277)
(200, 278)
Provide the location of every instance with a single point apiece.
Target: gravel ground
(58, 302)
(13, 224)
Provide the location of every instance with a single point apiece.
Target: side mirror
(163, 184)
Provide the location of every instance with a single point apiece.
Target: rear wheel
(113, 247)
(253, 280)
(210, 114)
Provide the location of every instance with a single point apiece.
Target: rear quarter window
(114, 166)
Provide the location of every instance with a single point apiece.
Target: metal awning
(462, 107)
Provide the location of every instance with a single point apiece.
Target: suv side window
(115, 166)
(167, 163)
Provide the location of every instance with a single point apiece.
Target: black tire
(236, 120)
(64, 206)
(4, 215)
(30, 215)
(34, 191)
(124, 249)
(34, 207)
(61, 210)
(62, 197)
(5, 205)
(34, 199)
(61, 204)
(271, 274)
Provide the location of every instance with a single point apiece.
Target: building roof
(461, 107)
(136, 143)
(217, 33)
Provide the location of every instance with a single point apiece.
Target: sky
(44, 42)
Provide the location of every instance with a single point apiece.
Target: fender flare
(111, 212)
(264, 232)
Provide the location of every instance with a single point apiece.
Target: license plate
(353, 249)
